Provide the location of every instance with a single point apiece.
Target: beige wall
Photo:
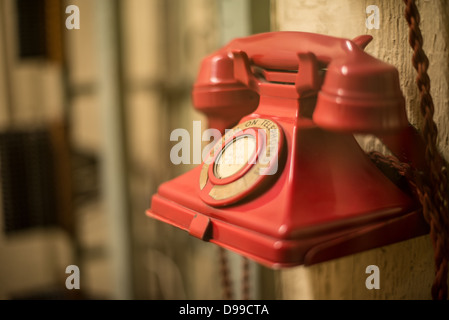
(406, 268)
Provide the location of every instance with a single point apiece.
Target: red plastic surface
(327, 199)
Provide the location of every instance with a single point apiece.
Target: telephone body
(297, 99)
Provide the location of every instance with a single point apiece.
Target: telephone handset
(303, 190)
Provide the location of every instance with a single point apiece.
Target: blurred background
(85, 121)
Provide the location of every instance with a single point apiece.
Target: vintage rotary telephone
(306, 192)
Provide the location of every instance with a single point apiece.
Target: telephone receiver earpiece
(359, 93)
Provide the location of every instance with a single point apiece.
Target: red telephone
(307, 192)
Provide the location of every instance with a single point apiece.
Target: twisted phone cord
(432, 187)
(245, 279)
(225, 277)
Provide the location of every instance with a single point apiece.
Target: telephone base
(282, 253)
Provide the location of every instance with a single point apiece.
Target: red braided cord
(225, 277)
(245, 279)
(432, 183)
